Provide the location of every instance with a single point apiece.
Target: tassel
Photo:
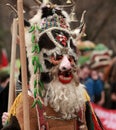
(81, 120)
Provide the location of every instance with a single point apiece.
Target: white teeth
(65, 78)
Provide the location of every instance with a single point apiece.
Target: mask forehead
(61, 37)
(57, 40)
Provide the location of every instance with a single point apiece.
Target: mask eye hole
(59, 57)
(56, 60)
(71, 59)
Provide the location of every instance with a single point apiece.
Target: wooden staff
(12, 66)
(23, 65)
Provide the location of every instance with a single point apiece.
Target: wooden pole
(12, 66)
(23, 65)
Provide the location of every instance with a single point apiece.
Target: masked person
(54, 89)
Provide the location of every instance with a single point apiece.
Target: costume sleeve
(89, 88)
(14, 106)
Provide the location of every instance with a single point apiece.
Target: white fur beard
(68, 99)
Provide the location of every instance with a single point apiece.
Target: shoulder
(84, 92)
(89, 81)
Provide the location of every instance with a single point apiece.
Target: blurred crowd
(97, 73)
(101, 92)
(4, 82)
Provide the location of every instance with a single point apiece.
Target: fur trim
(67, 99)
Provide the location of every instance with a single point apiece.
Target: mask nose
(65, 64)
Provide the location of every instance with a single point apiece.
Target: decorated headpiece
(100, 57)
(86, 48)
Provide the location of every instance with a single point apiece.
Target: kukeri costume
(100, 57)
(57, 101)
(86, 48)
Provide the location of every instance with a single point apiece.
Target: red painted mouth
(65, 77)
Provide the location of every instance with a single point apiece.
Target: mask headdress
(100, 57)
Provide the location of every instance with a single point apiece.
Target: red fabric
(106, 116)
(4, 60)
(96, 124)
(41, 117)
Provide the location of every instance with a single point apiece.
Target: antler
(68, 5)
(38, 2)
(82, 17)
(16, 12)
(72, 15)
(79, 31)
(12, 8)
(71, 4)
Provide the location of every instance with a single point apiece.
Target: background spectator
(3, 58)
(84, 73)
(112, 82)
(95, 88)
(4, 85)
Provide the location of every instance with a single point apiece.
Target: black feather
(26, 23)
(73, 47)
(89, 117)
(48, 64)
(45, 42)
(45, 77)
(48, 11)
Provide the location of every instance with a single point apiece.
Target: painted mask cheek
(71, 59)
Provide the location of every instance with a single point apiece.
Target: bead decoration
(62, 39)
